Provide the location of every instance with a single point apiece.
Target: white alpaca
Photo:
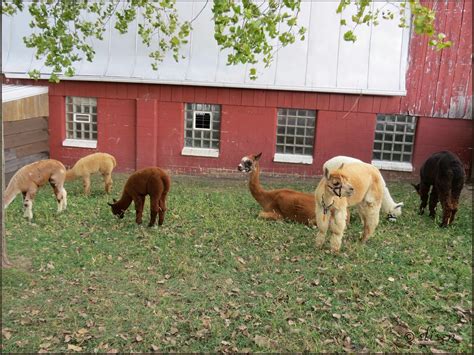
(389, 206)
(30, 178)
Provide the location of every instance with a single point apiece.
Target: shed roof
(18, 92)
(375, 64)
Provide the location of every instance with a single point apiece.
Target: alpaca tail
(114, 161)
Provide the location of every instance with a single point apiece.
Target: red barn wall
(142, 124)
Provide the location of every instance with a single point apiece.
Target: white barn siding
(324, 62)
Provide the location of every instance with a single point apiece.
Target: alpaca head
(395, 212)
(337, 183)
(116, 209)
(417, 188)
(247, 164)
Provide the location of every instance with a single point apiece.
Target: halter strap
(326, 208)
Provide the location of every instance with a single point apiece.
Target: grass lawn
(216, 278)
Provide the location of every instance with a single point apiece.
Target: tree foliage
(250, 30)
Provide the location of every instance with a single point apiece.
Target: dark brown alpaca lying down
(149, 181)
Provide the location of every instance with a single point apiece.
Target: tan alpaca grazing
(102, 163)
(277, 204)
(30, 178)
(354, 184)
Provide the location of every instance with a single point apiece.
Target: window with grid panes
(81, 118)
(202, 126)
(394, 138)
(295, 131)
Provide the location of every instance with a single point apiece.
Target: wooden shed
(25, 112)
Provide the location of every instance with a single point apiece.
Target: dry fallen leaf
(138, 338)
(6, 334)
(391, 279)
(241, 260)
(154, 347)
(262, 341)
(336, 315)
(74, 347)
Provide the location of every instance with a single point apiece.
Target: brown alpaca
(30, 178)
(277, 204)
(94, 163)
(354, 184)
(149, 181)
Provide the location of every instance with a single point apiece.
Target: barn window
(201, 130)
(394, 141)
(295, 136)
(81, 122)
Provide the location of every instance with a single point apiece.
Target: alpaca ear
(257, 157)
(110, 204)
(114, 200)
(342, 165)
(399, 205)
(326, 173)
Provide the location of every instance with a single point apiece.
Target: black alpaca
(444, 171)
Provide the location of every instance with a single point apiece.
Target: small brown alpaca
(353, 184)
(102, 163)
(30, 178)
(149, 181)
(277, 204)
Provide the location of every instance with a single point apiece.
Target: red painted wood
(177, 93)
(247, 97)
(143, 124)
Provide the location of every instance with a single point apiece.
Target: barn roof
(375, 64)
(17, 92)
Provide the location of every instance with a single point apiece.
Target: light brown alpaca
(94, 163)
(354, 184)
(277, 204)
(30, 178)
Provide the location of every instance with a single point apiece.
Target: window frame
(80, 142)
(208, 152)
(210, 120)
(396, 165)
(295, 158)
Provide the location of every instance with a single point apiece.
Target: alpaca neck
(387, 202)
(124, 201)
(327, 199)
(10, 193)
(254, 185)
(70, 175)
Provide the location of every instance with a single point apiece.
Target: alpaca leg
(24, 206)
(61, 195)
(270, 215)
(108, 182)
(433, 202)
(337, 227)
(139, 203)
(154, 208)
(162, 210)
(28, 203)
(322, 221)
(86, 181)
(371, 220)
(424, 191)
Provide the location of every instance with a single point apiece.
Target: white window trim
(79, 143)
(293, 158)
(210, 120)
(75, 115)
(392, 165)
(201, 152)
